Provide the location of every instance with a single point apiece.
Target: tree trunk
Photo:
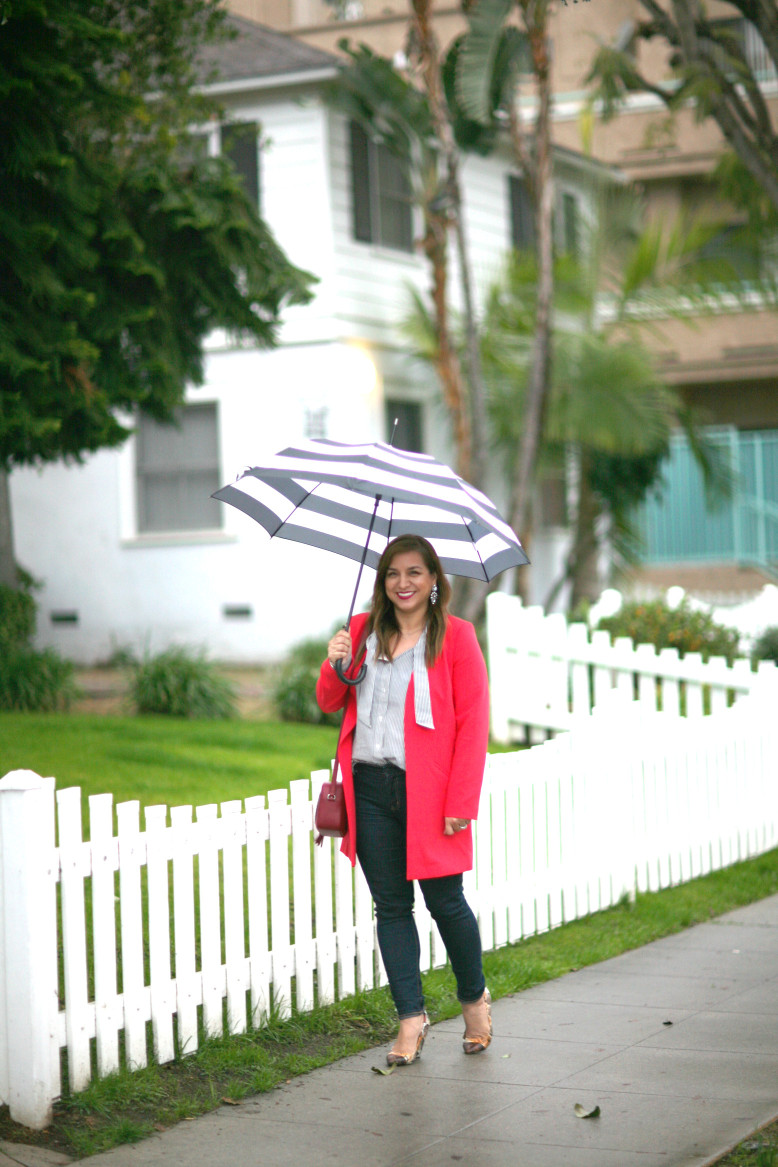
(467, 409)
(475, 375)
(8, 572)
(583, 567)
(538, 170)
(541, 184)
(446, 357)
(472, 467)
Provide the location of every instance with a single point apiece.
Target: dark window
(524, 62)
(381, 194)
(408, 434)
(177, 471)
(360, 183)
(522, 214)
(570, 224)
(551, 500)
(239, 144)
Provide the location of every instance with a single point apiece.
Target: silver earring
(434, 594)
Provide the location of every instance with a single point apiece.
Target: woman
(412, 755)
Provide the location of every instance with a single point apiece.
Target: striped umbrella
(353, 499)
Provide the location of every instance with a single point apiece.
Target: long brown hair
(383, 620)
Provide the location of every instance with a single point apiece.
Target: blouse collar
(421, 685)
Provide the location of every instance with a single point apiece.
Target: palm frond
(712, 457)
(608, 396)
(418, 327)
(393, 112)
(479, 54)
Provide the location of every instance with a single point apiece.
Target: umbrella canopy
(354, 499)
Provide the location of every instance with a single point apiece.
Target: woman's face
(408, 584)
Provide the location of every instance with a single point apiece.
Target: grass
(163, 760)
(760, 1150)
(128, 1107)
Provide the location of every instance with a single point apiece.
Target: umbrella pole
(339, 664)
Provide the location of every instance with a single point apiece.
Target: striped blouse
(380, 730)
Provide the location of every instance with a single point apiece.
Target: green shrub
(181, 683)
(17, 613)
(766, 645)
(653, 622)
(35, 681)
(294, 692)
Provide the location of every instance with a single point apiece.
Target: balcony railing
(759, 60)
(681, 524)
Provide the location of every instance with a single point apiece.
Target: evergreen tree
(121, 247)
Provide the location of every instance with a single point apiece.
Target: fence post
(502, 614)
(29, 1007)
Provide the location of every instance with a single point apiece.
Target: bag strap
(336, 765)
(355, 664)
(334, 779)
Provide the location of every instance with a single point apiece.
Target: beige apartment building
(725, 364)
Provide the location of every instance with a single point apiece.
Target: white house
(131, 550)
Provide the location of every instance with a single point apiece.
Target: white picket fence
(545, 673)
(202, 923)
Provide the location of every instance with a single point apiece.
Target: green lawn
(160, 760)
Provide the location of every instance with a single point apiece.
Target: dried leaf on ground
(582, 1112)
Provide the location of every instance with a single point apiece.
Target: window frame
(521, 214)
(567, 197)
(145, 468)
(752, 46)
(240, 133)
(215, 137)
(413, 421)
(372, 168)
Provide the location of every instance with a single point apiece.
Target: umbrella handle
(338, 666)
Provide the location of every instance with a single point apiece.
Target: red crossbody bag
(330, 818)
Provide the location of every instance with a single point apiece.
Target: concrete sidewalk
(677, 1043)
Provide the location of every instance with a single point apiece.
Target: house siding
(371, 281)
(76, 527)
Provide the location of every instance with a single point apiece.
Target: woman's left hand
(452, 826)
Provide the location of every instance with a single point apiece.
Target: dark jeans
(381, 825)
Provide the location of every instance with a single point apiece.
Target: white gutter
(273, 81)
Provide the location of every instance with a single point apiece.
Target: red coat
(444, 766)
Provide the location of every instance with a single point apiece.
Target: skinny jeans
(381, 813)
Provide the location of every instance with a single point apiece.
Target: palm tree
(608, 410)
(489, 64)
(607, 403)
(415, 123)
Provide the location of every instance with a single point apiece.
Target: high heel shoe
(395, 1059)
(481, 1041)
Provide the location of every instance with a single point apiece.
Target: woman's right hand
(339, 648)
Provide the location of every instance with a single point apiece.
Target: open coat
(444, 766)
